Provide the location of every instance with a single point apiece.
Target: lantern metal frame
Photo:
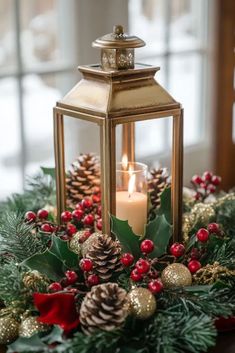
(109, 98)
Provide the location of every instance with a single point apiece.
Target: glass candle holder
(131, 194)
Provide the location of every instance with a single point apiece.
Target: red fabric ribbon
(57, 309)
(225, 324)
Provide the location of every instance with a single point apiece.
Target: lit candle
(131, 205)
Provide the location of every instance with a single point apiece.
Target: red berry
(71, 229)
(89, 220)
(93, 280)
(213, 228)
(55, 287)
(99, 211)
(136, 276)
(86, 265)
(65, 237)
(202, 235)
(211, 188)
(99, 224)
(77, 214)
(147, 246)
(194, 266)
(177, 249)
(30, 216)
(42, 214)
(155, 286)
(79, 206)
(194, 254)
(216, 180)
(47, 228)
(127, 259)
(71, 277)
(203, 185)
(96, 198)
(207, 176)
(66, 216)
(87, 202)
(196, 179)
(86, 234)
(197, 196)
(142, 266)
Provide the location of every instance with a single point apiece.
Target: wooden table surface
(225, 344)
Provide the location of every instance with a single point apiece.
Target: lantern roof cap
(118, 40)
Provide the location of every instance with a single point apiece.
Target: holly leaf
(27, 344)
(47, 264)
(160, 232)
(130, 242)
(165, 207)
(61, 250)
(48, 171)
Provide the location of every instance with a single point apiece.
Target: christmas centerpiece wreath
(70, 288)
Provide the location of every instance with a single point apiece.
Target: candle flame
(131, 184)
(124, 161)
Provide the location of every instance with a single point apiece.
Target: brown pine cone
(157, 183)
(105, 308)
(105, 254)
(83, 179)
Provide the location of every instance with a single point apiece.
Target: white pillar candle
(133, 208)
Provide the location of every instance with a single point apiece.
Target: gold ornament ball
(75, 244)
(89, 243)
(203, 213)
(176, 275)
(30, 326)
(142, 303)
(9, 329)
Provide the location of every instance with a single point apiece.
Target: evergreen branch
(217, 300)
(11, 282)
(17, 238)
(40, 190)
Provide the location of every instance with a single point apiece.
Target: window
(176, 33)
(37, 66)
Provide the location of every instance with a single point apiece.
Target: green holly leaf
(160, 232)
(47, 264)
(130, 242)
(27, 344)
(48, 171)
(61, 250)
(165, 207)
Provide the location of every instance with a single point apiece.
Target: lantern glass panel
(80, 136)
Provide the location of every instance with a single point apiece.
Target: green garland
(184, 320)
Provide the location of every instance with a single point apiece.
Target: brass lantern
(115, 92)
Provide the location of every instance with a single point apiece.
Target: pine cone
(156, 185)
(105, 307)
(83, 178)
(105, 254)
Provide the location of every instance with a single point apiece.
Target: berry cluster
(87, 214)
(40, 221)
(143, 270)
(192, 258)
(66, 283)
(86, 266)
(205, 185)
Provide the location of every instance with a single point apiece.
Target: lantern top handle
(118, 40)
(117, 49)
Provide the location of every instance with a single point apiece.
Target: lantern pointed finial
(117, 49)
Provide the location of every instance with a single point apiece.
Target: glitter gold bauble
(9, 329)
(75, 243)
(30, 326)
(142, 303)
(176, 275)
(89, 243)
(51, 209)
(188, 221)
(203, 213)
(34, 280)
